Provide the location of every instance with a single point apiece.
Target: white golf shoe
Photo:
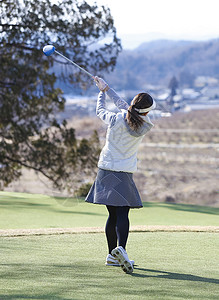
(121, 256)
(112, 261)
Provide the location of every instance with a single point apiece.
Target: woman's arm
(104, 87)
(119, 102)
(105, 115)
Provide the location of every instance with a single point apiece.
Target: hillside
(156, 62)
(178, 159)
(193, 127)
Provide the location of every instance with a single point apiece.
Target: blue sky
(140, 20)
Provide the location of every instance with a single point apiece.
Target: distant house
(163, 97)
(190, 94)
(211, 92)
(203, 81)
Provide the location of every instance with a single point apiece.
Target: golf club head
(48, 50)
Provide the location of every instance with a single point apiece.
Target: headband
(144, 110)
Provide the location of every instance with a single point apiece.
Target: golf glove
(101, 84)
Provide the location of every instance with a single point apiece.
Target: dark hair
(140, 101)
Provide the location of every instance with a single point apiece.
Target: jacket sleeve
(105, 115)
(119, 102)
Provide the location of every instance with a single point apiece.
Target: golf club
(50, 49)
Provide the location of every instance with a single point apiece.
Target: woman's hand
(101, 84)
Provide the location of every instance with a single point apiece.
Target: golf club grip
(89, 74)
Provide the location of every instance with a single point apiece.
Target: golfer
(114, 185)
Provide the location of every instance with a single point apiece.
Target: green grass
(170, 266)
(29, 211)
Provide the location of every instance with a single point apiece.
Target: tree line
(30, 135)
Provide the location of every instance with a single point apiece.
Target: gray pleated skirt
(115, 189)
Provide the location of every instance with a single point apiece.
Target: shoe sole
(116, 265)
(124, 264)
(112, 264)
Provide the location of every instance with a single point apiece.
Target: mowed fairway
(169, 265)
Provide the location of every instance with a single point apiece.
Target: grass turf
(170, 266)
(18, 210)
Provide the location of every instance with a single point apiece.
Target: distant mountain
(157, 61)
(160, 45)
(133, 40)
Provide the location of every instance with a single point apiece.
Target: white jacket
(121, 147)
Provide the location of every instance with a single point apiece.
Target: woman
(114, 185)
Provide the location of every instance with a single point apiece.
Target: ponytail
(133, 118)
(140, 102)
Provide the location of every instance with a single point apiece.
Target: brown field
(178, 159)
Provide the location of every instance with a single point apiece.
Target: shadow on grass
(171, 275)
(77, 276)
(13, 204)
(184, 207)
(19, 276)
(81, 213)
(41, 297)
(46, 207)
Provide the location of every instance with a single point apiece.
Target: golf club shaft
(89, 74)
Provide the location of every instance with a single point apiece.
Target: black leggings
(117, 226)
